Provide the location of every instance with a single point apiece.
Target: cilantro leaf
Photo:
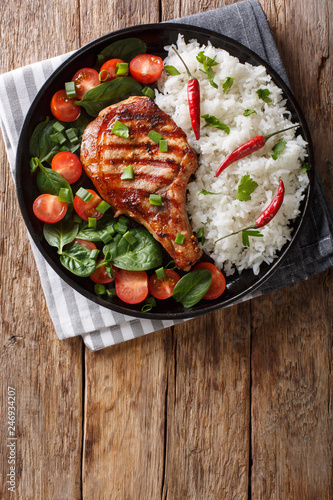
(207, 63)
(245, 236)
(246, 186)
(278, 148)
(263, 94)
(305, 168)
(171, 70)
(227, 84)
(212, 121)
(249, 112)
(203, 191)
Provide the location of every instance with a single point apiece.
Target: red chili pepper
(193, 97)
(272, 208)
(267, 215)
(246, 149)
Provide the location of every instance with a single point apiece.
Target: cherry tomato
(86, 210)
(163, 288)
(108, 70)
(131, 286)
(67, 165)
(218, 280)
(63, 108)
(48, 208)
(85, 79)
(146, 68)
(101, 276)
(85, 243)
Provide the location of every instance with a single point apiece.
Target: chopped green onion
(121, 68)
(92, 222)
(200, 233)
(50, 155)
(120, 129)
(130, 238)
(103, 75)
(111, 292)
(171, 70)
(163, 146)
(155, 136)
(171, 265)
(64, 195)
(121, 228)
(103, 207)
(58, 127)
(105, 236)
(77, 219)
(180, 238)
(160, 273)
(33, 164)
(110, 228)
(123, 219)
(100, 289)
(148, 91)
(58, 138)
(94, 253)
(70, 89)
(150, 302)
(84, 195)
(74, 148)
(127, 173)
(72, 135)
(155, 199)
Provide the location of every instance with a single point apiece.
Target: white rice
(224, 214)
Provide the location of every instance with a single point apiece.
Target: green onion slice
(121, 228)
(94, 253)
(155, 136)
(105, 236)
(72, 135)
(163, 146)
(121, 68)
(99, 289)
(130, 238)
(160, 273)
(180, 238)
(103, 207)
(111, 292)
(120, 129)
(64, 195)
(84, 194)
(155, 199)
(58, 127)
(127, 173)
(70, 89)
(103, 75)
(148, 91)
(92, 222)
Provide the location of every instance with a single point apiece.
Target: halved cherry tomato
(63, 108)
(85, 79)
(131, 286)
(48, 208)
(85, 243)
(108, 70)
(101, 276)
(86, 210)
(162, 288)
(146, 68)
(218, 280)
(67, 165)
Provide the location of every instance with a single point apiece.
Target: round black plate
(156, 37)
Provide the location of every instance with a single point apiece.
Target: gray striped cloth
(73, 314)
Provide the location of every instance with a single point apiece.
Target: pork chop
(104, 156)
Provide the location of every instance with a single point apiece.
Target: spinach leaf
(143, 255)
(61, 233)
(77, 259)
(97, 233)
(108, 93)
(49, 181)
(192, 287)
(124, 49)
(40, 143)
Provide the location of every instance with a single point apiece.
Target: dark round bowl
(156, 36)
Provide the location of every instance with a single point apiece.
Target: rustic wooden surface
(234, 405)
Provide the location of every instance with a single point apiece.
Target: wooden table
(233, 405)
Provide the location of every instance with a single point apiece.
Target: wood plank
(292, 328)
(46, 374)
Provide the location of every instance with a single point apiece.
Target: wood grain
(236, 404)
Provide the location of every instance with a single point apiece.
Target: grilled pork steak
(104, 156)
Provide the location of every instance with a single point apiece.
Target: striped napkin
(73, 314)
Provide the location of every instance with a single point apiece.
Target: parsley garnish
(227, 84)
(207, 63)
(171, 70)
(305, 168)
(246, 186)
(245, 236)
(212, 121)
(278, 148)
(249, 112)
(263, 94)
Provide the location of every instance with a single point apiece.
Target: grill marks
(104, 156)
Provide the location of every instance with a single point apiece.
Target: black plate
(156, 37)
